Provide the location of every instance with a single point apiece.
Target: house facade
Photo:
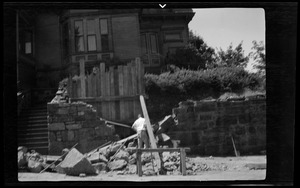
(51, 43)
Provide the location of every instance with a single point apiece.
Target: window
(25, 40)
(91, 35)
(153, 42)
(79, 43)
(103, 27)
(149, 49)
(104, 35)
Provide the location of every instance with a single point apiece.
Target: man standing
(140, 127)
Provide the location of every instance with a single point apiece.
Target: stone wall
(209, 126)
(77, 122)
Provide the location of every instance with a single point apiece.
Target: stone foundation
(71, 123)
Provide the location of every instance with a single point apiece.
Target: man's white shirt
(139, 124)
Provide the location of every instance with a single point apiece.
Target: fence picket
(116, 87)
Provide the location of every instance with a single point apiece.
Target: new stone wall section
(77, 122)
(208, 127)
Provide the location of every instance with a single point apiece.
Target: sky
(219, 27)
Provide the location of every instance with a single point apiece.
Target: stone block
(63, 111)
(205, 117)
(52, 108)
(73, 126)
(117, 164)
(100, 167)
(56, 126)
(71, 135)
(229, 120)
(186, 103)
(205, 107)
(22, 161)
(244, 118)
(34, 166)
(55, 148)
(52, 136)
(75, 163)
(89, 115)
(80, 113)
(240, 130)
(91, 123)
(97, 157)
(86, 133)
(79, 118)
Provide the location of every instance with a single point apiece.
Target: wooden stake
(150, 131)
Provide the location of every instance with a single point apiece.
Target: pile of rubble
(30, 161)
(115, 158)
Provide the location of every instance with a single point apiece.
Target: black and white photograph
(153, 92)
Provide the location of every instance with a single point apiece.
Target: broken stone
(132, 159)
(75, 163)
(34, 166)
(131, 150)
(122, 155)
(22, 159)
(97, 157)
(165, 156)
(130, 169)
(100, 167)
(149, 170)
(22, 148)
(146, 157)
(170, 166)
(117, 164)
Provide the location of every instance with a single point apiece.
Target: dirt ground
(220, 168)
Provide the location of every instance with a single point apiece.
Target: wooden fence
(113, 91)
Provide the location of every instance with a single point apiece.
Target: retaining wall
(207, 126)
(77, 122)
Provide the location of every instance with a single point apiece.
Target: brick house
(51, 42)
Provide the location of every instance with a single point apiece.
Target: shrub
(184, 81)
(166, 90)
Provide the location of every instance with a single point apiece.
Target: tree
(195, 55)
(232, 57)
(259, 56)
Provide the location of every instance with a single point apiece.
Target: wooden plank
(121, 91)
(138, 72)
(108, 98)
(125, 84)
(112, 93)
(182, 161)
(79, 89)
(135, 103)
(98, 84)
(94, 85)
(133, 78)
(130, 93)
(82, 77)
(107, 89)
(89, 86)
(142, 79)
(150, 131)
(139, 163)
(102, 78)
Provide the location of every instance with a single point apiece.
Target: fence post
(82, 78)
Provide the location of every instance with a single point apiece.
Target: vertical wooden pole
(82, 78)
(182, 161)
(139, 163)
(150, 131)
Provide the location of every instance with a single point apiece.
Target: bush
(184, 81)
(166, 90)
